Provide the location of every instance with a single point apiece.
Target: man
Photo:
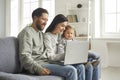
(31, 46)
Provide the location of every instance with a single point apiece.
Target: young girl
(68, 35)
(70, 72)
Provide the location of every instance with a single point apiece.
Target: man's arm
(25, 53)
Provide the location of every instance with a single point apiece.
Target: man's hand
(45, 71)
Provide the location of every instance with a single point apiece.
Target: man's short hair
(38, 12)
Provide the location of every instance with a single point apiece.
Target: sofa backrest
(9, 60)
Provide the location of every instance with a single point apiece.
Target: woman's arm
(51, 48)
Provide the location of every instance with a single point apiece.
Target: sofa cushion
(8, 76)
(9, 61)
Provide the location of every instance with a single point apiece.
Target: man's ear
(35, 18)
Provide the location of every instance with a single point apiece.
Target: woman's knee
(72, 69)
(89, 67)
(80, 66)
(71, 72)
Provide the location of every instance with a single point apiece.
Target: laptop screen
(76, 52)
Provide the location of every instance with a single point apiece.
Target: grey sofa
(10, 65)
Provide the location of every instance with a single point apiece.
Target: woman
(51, 40)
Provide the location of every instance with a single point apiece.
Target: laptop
(76, 52)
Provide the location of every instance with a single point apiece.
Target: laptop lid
(76, 52)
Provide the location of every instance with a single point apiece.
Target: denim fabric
(96, 70)
(81, 71)
(96, 73)
(92, 73)
(68, 72)
(88, 72)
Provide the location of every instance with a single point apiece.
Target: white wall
(109, 49)
(2, 18)
(61, 6)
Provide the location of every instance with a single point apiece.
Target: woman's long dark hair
(58, 19)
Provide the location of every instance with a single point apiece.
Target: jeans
(69, 72)
(80, 70)
(96, 73)
(88, 72)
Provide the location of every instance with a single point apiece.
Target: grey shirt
(31, 49)
(51, 42)
(62, 45)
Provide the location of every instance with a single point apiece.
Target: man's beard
(38, 27)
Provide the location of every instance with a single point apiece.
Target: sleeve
(93, 56)
(50, 49)
(25, 53)
(61, 47)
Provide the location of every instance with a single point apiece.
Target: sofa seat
(9, 76)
